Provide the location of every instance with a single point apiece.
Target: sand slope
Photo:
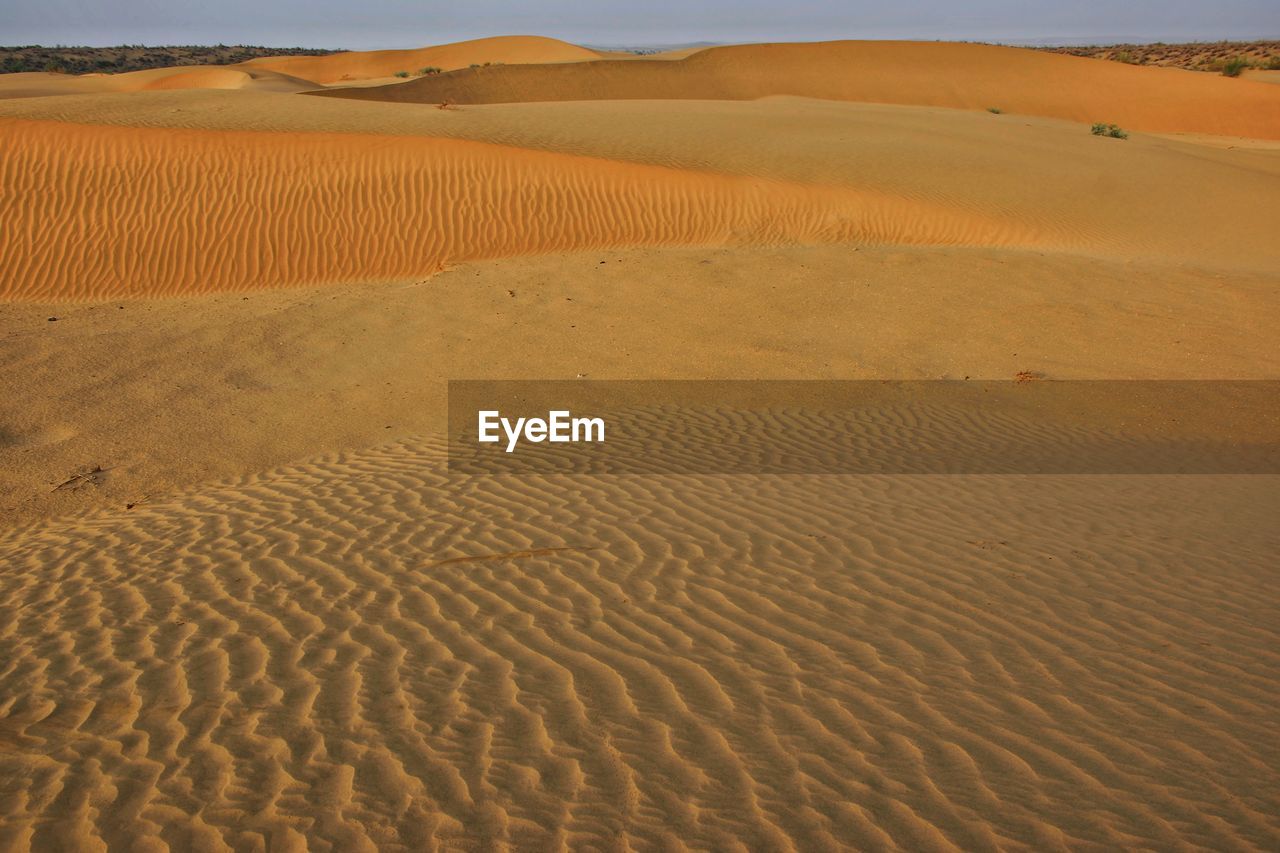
(360, 65)
(40, 84)
(387, 196)
(166, 394)
(965, 76)
(302, 73)
(352, 209)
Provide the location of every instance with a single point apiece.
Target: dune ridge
(41, 84)
(327, 207)
(964, 76)
(361, 65)
(283, 74)
(241, 190)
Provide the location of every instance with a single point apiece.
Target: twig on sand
(92, 476)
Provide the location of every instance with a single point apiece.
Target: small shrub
(994, 110)
(402, 73)
(1126, 57)
(1103, 129)
(475, 65)
(1233, 66)
(1273, 64)
(430, 69)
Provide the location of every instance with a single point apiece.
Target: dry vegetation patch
(1216, 57)
(135, 57)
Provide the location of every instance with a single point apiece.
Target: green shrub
(402, 73)
(430, 69)
(1103, 129)
(1273, 64)
(994, 110)
(1232, 67)
(1126, 57)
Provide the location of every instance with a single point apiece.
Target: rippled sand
(244, 605)
(363, 651)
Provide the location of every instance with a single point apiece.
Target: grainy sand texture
(244, 604)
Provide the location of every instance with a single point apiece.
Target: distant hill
(135, 57)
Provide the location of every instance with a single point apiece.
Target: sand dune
(40, 84)
(964, 76)
(392, 198)
(388, 209)
(302, 73)
(245, 606)
(361, 65)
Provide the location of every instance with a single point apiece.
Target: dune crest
(42, 84)
(362, 65)
(354, 208)
(965, 76)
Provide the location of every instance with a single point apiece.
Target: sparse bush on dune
(430, 69)
(1112, 130)
(1232, 67)
(402, 73)
(1273, 64)
(994, 110)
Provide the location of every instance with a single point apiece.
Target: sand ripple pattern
(365, 652)
(102, 212)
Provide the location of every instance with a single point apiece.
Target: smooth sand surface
(39, 84)
(246, 607)
(168, 393)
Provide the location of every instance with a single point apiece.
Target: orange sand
(39, 84)
(963, 76)
(360, 65)
(362, 192)
(244, 606)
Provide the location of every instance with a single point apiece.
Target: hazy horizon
(403, 24)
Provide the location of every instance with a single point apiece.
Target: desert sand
(246, 606)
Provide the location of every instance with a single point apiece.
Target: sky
(372, 24)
